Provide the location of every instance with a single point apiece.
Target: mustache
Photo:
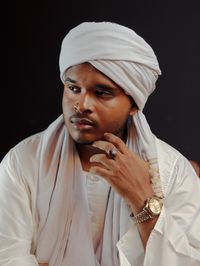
(82, 118)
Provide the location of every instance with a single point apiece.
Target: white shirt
(97, 192)
(174, 241)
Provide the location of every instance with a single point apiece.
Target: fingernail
(94, 144)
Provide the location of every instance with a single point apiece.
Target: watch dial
(154, 206)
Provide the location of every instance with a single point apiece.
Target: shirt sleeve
(175, 239)
(16, 220)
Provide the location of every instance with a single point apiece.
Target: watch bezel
(150, 206)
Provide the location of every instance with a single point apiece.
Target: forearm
(145, 229)
(141, 216)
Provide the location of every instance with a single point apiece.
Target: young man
(97, 187)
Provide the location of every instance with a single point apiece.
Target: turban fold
(115, 50)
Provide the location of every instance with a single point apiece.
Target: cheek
(67, 105)
(68, 97)
(114, 120)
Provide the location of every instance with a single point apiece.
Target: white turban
(115, 50)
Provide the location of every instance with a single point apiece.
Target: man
(97, 187)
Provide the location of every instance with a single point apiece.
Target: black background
(31, 90)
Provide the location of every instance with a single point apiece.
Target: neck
(85, 152)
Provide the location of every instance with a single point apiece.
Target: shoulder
(21, 163)
(28, 149)
(173, 165)
(167, 150)
(24, 159)
(169, 154)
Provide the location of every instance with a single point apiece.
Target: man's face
(102, 105)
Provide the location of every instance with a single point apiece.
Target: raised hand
(126, 172)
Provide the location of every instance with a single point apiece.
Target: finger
(116, 141)
(96, 170)
(103, 159)
(103, 145)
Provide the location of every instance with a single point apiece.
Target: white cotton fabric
(175, 239)
(97, 195)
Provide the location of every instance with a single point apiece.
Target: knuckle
(116, 171)
(124, 158)
(118, 142)
(108, 148)
(100, 158)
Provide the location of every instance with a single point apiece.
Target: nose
(85, 103)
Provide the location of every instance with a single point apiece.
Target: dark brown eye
(103, 93)
(74, 89)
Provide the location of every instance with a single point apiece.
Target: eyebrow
(70, 80)
(105, 87)
(99, 86)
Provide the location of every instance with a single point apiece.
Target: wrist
(138, 204)
(151, 209)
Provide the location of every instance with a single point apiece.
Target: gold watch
(152, 208)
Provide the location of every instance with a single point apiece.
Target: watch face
(154, 206)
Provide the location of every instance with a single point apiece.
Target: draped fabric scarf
(64, 234)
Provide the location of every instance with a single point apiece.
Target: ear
(133, 111)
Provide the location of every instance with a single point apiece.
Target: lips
(82, 123)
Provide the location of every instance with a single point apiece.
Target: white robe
(175, 239)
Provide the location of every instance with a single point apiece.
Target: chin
(85, 139)
(83, 142)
